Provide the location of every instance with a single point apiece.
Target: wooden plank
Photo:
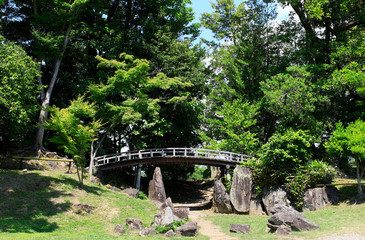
(42, 159)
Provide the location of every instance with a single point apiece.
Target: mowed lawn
(38, 205)
(346, 218)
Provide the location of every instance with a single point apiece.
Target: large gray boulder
(170, 233)
(189, 229)
(119, 229)
(165, 218)
(255, 204)
(221, 200)
(147, 231)
(241, 189)
(167, 203)
(156, 189)
(240, 228)
(182, 212)
(256, 208)
(317, 198)
(273, 197)
(134, 223)
(287, 216)
(132, 192)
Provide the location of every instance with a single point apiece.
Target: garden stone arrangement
(169, 221)
(243, 199)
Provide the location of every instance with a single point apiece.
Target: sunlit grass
(38, 205)
(344, 219)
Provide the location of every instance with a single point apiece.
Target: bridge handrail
(175, 152)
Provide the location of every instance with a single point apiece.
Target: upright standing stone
(317, 198)
(241, 189)
(156, 189)
(273, 197)
(255, 205)
(221, 200)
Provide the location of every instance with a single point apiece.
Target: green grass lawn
(346, 218)
(333, 220)
(38, 205)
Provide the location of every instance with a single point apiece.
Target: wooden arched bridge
(193, 156)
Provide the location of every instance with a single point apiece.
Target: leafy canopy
(350, 142)
(18, 90)
(74, 129)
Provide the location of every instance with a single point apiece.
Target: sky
(201, 6)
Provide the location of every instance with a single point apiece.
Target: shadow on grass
(26, 201)
(349, 194)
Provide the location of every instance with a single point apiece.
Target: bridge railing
(171, 152)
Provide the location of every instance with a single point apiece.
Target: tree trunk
(94, 152)
(47, 98)
(92, 157)
(359, 176)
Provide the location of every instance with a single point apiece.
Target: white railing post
(230, 156)
(139, 154)
(173, 152)
(162, 153)
(151, 154)
(185, 154)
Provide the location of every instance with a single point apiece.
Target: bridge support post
(138, 177)
(227, 173)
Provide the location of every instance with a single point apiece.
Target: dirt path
(207, 228)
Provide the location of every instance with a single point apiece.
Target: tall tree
(350, 142)
(45, 29)
(125, 100)
(75, 128)
(18, 91)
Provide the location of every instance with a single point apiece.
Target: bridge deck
(192, 156)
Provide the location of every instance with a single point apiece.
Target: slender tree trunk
(94, 152)
(39, 78)
(92, 157)
(359, 176)
(47, 98)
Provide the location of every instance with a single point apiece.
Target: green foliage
(350, 142)
(224, 19)
(18, 91)
(200, 173)
(308, 176)
(293, 99)
(126, 100)
(172, 172)
(173, 226)
(233, 127)
(75, 128)
(284, 162)
(285, 153)
(142, 195)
